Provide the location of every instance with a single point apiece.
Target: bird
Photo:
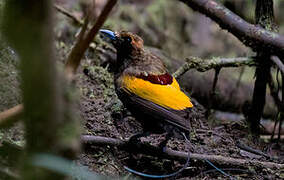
(147, 89)
(153, 96)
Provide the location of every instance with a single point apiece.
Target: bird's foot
(163, 144)
(134, 140)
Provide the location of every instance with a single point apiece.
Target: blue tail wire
(180, 170)
(161, 176)
(218, 169)
(211, 164)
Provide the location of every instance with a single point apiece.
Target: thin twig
(275, 124)
(213, 92)
(232, 93)
(278, 63)
(203, 65)
(177, 155)
(68, 14)
(274, 93)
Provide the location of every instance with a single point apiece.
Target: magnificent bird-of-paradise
(147, 89)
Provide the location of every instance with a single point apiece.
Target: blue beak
(109, 34)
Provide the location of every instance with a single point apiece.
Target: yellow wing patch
(168, 96)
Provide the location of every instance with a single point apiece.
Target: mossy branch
(203, 65)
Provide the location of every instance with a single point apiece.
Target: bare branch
(251, 35)
(177, 155)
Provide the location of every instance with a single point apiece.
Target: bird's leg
(163, 144)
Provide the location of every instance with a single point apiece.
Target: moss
(106, 87)
(9, 77)
(10, 94)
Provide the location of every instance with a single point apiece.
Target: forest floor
(102, 116)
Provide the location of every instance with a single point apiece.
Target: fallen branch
(177, 155)
(251, 150)
(203, 65)
(251, 35)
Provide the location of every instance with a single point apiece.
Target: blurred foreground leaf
(65, 167)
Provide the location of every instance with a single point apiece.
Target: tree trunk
(264, 16)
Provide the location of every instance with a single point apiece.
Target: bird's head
(123, 41)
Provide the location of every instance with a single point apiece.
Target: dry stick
(83, 43)
(68, 14)
(203, 65)
(274, 92)
(249, 34)
(232, 93)
(213, 92)
(177, 155)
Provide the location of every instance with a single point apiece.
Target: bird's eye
(127, 39)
